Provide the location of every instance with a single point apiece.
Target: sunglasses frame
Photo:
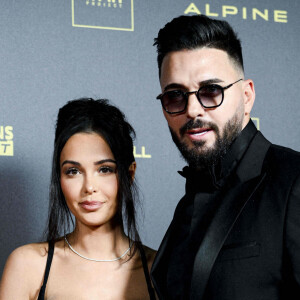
(186, 96)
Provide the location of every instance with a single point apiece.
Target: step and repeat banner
(59, 50)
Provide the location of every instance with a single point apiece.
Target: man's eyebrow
(201, 83)
(210, 81)
(173, 86)
(72, 162)
(104, 161)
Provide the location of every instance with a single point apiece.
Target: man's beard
(201, 157)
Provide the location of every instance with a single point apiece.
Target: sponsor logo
(278, 16)
(141, 154)
(6, 141)
(103, 14)
(256, 122)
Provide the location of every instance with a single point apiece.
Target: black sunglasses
(209, 96)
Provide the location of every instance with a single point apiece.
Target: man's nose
(194, 108)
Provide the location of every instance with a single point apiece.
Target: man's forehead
(200, 64)
(203, 52)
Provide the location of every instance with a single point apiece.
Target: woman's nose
(90, 185)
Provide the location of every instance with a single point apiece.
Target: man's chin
(202, 149)
(200, 159)
(199, 154)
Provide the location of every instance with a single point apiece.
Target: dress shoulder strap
(47, 270)
(146, 272)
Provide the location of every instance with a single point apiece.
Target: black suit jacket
(251, 249)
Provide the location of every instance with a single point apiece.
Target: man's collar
(237, 150)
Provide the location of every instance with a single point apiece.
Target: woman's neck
(103, 242)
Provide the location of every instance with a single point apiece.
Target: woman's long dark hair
(88, 115)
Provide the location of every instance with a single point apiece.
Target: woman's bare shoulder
(28, 255)
(23, 272)
(35, 250)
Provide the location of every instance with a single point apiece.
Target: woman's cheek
(69, 188)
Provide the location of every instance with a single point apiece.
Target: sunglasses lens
(173, 101)
(210, 95)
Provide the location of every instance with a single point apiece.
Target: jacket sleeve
(292, 239)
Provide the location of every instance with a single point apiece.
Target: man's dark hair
(94, 116)
(197, 31)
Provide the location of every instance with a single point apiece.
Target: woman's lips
(91, 205)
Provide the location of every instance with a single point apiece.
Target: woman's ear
(132, 169)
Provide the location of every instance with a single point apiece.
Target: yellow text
(6, 133)
(142, 154)
(279, 16)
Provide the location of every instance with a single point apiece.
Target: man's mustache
(192, 124)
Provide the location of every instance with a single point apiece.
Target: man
(236, 232)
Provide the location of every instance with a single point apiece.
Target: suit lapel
(159, 266)
(249, 177)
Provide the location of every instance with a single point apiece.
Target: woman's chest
(90, 281)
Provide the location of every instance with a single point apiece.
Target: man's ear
(132, 169)
(249, 95)
(248, 98)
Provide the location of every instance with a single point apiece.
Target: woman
(93, 180)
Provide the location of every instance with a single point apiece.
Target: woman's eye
(72, 171)
(107, 170)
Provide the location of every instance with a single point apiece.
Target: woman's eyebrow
(104, 161)
(72, 162)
